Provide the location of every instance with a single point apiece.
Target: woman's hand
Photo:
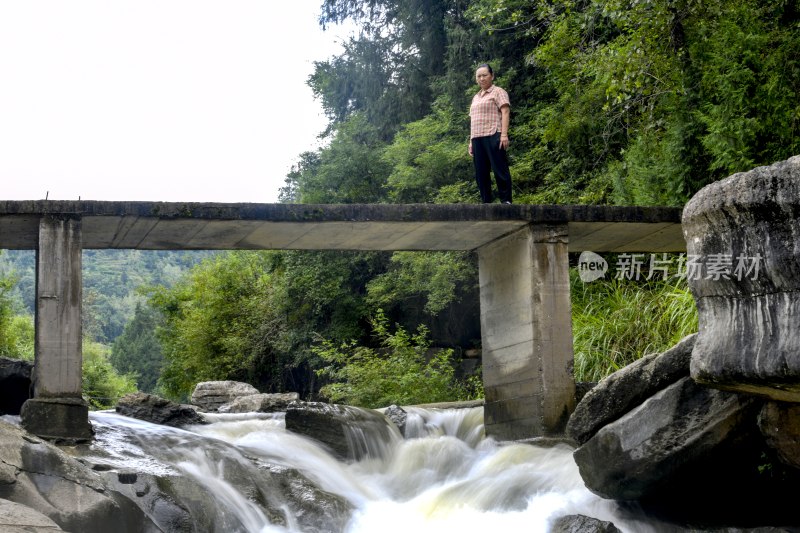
(504, 142)
(469, 148)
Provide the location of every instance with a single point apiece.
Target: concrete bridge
(523, 269)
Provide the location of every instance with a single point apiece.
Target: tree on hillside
(138, 351)
(385, 72)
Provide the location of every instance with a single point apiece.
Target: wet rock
(210, 395)
(157, 410)
(577, 523)
(15, 382)
(192, 484)
(673, 431)
(261, 403)
(627, 388)
(316, 510)
(350, 433)
(60, 487)
(398, 416)
(17, 518)
(744, 232)
(780, 424)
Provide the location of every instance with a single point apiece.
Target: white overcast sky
(163, 100)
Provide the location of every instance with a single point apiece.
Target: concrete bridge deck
(526, 324)
(204, 226)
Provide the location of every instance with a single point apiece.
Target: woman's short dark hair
(487, 67)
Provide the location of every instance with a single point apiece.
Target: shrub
(399, 373)
(102, 384)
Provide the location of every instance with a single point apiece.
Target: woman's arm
(505, 119)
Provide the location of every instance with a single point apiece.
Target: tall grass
(615, 322)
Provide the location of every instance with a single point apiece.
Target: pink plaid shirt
(484, 113)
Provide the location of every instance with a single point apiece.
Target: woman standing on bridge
(489, 116)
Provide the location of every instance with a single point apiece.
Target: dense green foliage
(253, 316)
(102, 384)
(19, 338)
(16, 326)
(138, 351)
(400, 371)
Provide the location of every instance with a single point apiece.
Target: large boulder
(158, 410)
(15, 382)
(692, 454)
(622, 391)
(350, 433)
(209, 396)
(677, 428)
(260, 403)
(37, 474)
(742, 236)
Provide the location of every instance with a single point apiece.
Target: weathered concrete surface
(168, 226)
(62, 420)
(57, 410)
(749, 335)
(526, 330)
(57, 370)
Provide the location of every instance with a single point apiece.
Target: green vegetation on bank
(400, 371)
(103, 385)
(617, 321)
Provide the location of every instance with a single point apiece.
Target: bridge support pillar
(57, 410)
(526, 327)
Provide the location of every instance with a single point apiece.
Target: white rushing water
(445, 477)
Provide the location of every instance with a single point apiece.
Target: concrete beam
(57, 410)
(209, 226)
(526, 329)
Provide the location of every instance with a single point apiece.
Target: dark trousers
(486, 154)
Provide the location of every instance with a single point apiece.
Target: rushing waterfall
(248, 473)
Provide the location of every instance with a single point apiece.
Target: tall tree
(138, 351)
(385, 71)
